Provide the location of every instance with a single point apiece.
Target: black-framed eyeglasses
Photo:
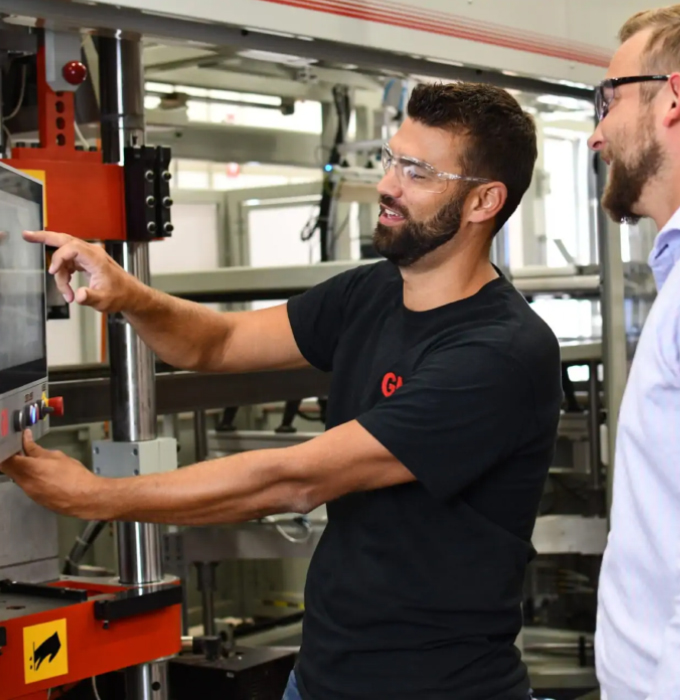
(604, 92)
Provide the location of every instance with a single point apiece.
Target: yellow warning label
(45, 651)
(42, 176)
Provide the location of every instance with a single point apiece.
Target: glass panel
(193, 244)
(275, 239)
(561, 204)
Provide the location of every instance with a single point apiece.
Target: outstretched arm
(228, 490)
(183, 334)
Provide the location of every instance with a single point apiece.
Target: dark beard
(406, 244)
(626, 182)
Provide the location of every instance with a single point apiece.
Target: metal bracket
(60, 48)
(138, 601)
(34, 590)
(117, 460)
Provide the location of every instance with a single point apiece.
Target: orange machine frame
(93, 647)
(84, 196)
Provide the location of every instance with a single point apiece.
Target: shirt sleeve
(318, 315)
(462, 412)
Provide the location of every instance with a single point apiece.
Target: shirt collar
(666, 250)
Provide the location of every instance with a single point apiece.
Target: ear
(672, 108)
(486, 201)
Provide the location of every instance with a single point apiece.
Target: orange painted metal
(92, 648)
(84, 196)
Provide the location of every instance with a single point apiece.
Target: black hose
(82, 546)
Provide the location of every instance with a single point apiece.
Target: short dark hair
(501, 137)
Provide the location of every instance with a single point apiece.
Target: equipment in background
(215, 671)
(324, 220)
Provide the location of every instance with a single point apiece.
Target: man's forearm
(228, 490)
(183, 334)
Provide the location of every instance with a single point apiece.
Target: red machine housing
(84, 196)
(145, 627)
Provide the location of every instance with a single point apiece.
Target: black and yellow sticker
(45, 651)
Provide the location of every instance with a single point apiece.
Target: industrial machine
(57, 631)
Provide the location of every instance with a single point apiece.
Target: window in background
(193, 244)
(198, 174)
(570, 319)
(191, 174)
(241, 109)
(561, 200)
(275, 239)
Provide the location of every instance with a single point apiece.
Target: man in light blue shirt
(638, 622)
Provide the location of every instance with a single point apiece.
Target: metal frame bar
(77, 15)
(88, 399)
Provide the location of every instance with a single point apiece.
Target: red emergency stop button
(57, 406)
(4, 423)
(74, 72)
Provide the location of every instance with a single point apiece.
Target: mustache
(391, 203)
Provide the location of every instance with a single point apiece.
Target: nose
(390, 186)
(596, 141)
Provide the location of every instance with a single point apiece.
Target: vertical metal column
(207, 585)
(132, 363)
(614, 354)
(200, 436)
(594, 425)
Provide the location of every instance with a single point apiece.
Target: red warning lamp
(75, 72)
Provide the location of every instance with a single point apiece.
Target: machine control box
(23, 356)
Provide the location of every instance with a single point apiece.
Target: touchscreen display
(22, 300)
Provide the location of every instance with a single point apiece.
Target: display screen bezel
(20, 185)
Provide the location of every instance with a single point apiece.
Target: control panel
(23, 353)
(27, 408)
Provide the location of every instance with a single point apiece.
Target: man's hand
(53, 479)
(110, 289)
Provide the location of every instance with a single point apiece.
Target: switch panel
(20, 410)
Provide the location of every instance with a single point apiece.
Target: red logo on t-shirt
(390, 383)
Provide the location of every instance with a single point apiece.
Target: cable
(79, 134)
(304, 522)
(94, 688)
(20, 103)
(9, 139)
(81, 546)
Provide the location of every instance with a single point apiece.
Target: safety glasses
(418, 175)
(604, 92)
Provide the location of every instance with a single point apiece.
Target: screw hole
(135, 452)
(60, 107)
(61, 140)
(155, 686)
(61, 123)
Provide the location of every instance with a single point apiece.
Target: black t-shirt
(414, 591)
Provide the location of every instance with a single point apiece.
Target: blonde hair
(662, 52)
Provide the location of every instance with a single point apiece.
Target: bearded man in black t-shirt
(442, 419)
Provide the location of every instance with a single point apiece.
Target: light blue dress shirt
(638, 621)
